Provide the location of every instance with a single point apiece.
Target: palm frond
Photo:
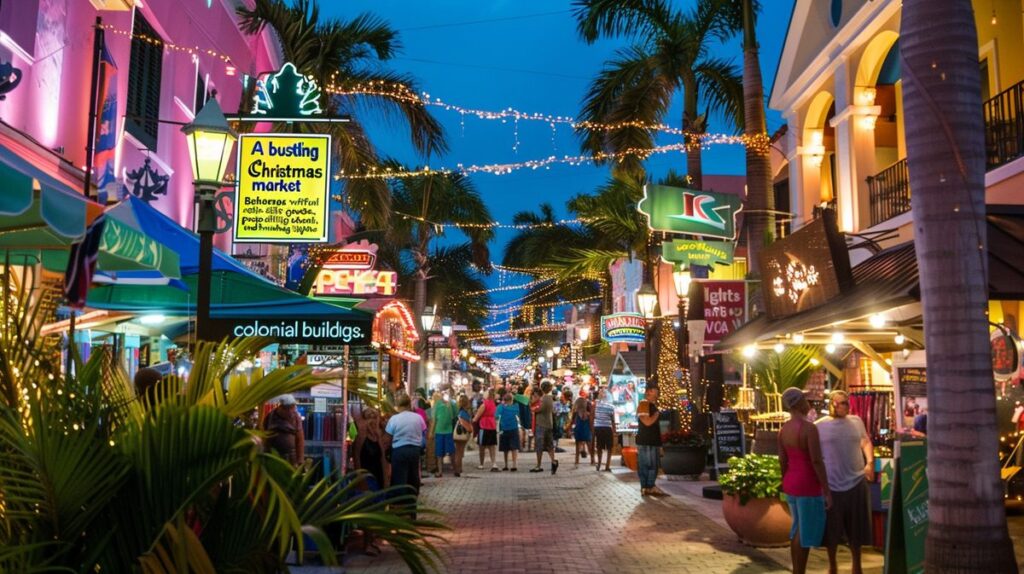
(611, 18)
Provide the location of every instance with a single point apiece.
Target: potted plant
(752, 501)
(686, 452)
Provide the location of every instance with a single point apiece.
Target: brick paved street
(576, 521)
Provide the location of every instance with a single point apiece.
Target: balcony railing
(1004, 127)
(889, 192)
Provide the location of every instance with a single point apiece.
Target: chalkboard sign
(729, 438)
(913, 381)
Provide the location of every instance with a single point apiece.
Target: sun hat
(791, 397)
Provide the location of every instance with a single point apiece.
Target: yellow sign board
(283, 186)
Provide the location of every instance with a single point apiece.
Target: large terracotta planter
(759, 522)
(684, 460)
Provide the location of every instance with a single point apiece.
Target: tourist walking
(545, 423)
(508, 424)
(488, 439)
(462, 433)
(369, 456)
(286, 436)
(522, 400)
(803, 478)
(850, 465)
(407, 432)
(582, 424)
(442, 423)
(604, 429)
(648, 443)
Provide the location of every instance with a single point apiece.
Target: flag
(82, 264)
(105, 142)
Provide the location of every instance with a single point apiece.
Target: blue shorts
(508, 441)
(444, 444)
(809, 518)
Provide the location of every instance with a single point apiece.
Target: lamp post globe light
(210, 144)
(446, 328)
(681, 280)
(584, 333)
(646, 301)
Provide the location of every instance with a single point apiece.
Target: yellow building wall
(1006, 37)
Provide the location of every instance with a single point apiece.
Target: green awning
(121, 249)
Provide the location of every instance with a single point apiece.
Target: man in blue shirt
(508, 423)
(406, 430)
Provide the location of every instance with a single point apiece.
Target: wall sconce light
(867, 122)
(815, 148)
(866, 96)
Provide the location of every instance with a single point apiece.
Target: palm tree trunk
(693, 128)
(946, 158)
(419, 301)
(760, 199)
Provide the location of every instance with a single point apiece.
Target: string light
(191, 50)
(494, 224)
(519, 331)
(507, 168)
(502, 289)
(488, 349)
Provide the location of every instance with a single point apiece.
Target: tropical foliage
(775, 372)
(94, 479)
(670, 52)
(341, 55)
(753, 476)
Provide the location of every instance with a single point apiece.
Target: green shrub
(753, 476)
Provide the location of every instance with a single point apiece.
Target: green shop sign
(678, 210)
(287, 96)
(696, 252)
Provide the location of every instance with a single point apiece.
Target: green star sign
(287, 96)
(678, 210)
(696, 252)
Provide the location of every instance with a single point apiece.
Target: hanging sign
(395, 331)
(1006, 354)
(623, 328)
(679, 210)
(287, 96)
(349, 271)
(806, 269)
(283, 186)
(725, 308)
(695, 252)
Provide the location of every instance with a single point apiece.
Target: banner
(105, 142)
(283, 186)
(695, 252)
(725, 308)
(623, 328)
(689, 211)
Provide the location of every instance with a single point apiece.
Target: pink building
(169, 55)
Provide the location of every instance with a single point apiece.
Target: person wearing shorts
(488, 439)
(508, 425)
(545, 423)
(581, 423)
(804, 478)
(604, 429)
(850, 463)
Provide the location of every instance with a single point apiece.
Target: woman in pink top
(803, 478)
(488, 439)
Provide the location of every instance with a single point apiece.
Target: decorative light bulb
(798, 338)
(899, 339)
(838, 338)
(877, 321)
(830, 348)
(779, 348)
(749, 351)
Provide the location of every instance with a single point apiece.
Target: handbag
(461, 434)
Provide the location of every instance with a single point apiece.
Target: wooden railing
(1004, 126)
(889, 192)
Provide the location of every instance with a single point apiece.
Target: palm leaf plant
(94, 479)
(775, 372)
(343, 55)
(634, 91)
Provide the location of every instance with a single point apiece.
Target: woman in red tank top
(803, 478)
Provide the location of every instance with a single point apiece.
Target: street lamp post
(681, 280)
(210, 143)
(646, 301)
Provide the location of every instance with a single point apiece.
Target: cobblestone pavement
(576, 521)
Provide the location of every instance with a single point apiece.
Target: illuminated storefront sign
(806, 269)
(694, 252)
(295, 330)
(725, 308)
(622, 328)
(395, 331)
(283, 185)
(349, 271)
(679, 210)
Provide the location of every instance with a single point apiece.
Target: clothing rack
(875, 408)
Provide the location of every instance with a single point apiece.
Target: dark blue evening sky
(497, 54)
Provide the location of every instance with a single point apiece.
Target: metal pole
(206, 226)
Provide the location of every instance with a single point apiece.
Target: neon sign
(349, 271)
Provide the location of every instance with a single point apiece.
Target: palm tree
(424, 205)
(459, 291)
(94, 478)
(340, 55)
(946, 160)
(670, 53)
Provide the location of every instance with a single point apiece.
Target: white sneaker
(481, 467)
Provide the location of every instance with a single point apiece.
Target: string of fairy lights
(495, 224)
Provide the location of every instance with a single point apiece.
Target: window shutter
(144, 84)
